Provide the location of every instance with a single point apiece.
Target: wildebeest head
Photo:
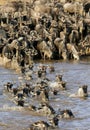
(58, 78)
(9, 86)
(67, 114)
(20, 103)
(54, 121)
(82, 91)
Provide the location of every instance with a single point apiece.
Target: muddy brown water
(75, 73)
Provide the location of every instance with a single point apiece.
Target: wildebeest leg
(59, 52)
(64, 54)
(44, 55)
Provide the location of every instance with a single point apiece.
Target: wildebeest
(66, 114)
(42, 125)
(8, 86)
(46, 109)
(73, 51)
(82, 92)
(47, 53)
(11, 49)
(87, 6)
(74, 36)
(73, 8)
(60, 45)
(44, 50)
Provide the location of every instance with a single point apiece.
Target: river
(75, 73)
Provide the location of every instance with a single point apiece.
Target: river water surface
(75, 73)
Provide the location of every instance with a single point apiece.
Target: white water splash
(11, 108)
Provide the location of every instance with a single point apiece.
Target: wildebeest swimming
(40, 90)
(42, 125)
(82, 92)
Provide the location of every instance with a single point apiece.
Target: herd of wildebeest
(43, 29)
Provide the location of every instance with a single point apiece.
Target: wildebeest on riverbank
(36, 26)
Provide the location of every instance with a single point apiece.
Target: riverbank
(44, 30)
